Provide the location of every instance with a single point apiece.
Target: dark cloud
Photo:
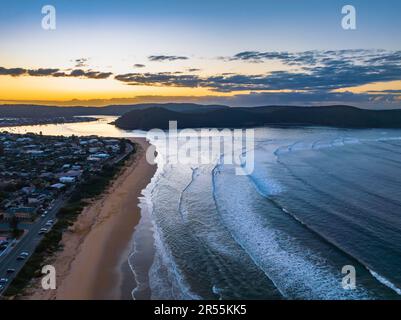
(317, 58)
(312, 76)
(42, 72)
(138, 65)
(48, 72)
(89, 74)
(314, 70)
(159, 79)
(97, 75)
(161, 58)
(15, 72)
(77, 73)
(80, 63)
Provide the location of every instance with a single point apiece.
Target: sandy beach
(93, 261)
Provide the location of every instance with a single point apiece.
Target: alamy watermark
(49, 278)
(349, 280)
(204, 146)
(49, 19)
(348, 22)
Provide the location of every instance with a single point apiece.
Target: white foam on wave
(386, 282)
(296, 271)
(266, 186)
(165, 278)
(145, 225)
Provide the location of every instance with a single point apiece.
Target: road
(27, 243)
(31, 240)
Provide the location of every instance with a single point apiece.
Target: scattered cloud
(48, 72)
(139, 65)
(313, 77)
(42, 72)
(159, 79)
(15, 72)
(82, 62)
(314, 70)
(161, 58)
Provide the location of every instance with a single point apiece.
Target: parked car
(23, 255)
(3, 280)
(10, 270)
(43, 231)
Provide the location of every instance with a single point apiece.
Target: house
(58, 186)
(67, 179)
(101, 155)
(73, 173)
(28, 190)
(111, 141)
(35, 152)
(93, 150)
(24, 139)
(21, 213)
(93, 158)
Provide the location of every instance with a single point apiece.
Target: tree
(14, 227)
(123, 146)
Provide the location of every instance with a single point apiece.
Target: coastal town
(38, 174)
(29, 121)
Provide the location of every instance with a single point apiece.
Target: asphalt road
(27, 243)
(31, 240)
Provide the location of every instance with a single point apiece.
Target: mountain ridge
(332, 116)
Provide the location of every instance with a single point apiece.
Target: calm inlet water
(318, 199)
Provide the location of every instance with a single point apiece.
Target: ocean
(318, 199)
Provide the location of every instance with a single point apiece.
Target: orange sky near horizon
(26, 89)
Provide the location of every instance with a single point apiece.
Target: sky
(239, 53)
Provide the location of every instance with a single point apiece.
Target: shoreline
(92, 264)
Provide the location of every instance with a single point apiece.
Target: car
(43, 215)
(10, 270)
(24, 253)
(20, 257)
(3, 280)
(1, 287)
(50, 221)
(42, 231)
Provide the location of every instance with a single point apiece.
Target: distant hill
(332, 116)
(38, 111)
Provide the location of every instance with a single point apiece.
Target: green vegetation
(15, 231)
(92, 186)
